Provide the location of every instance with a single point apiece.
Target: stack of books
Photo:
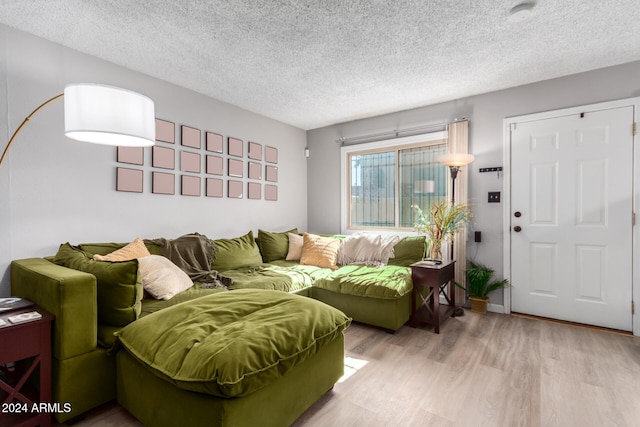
(8, 305)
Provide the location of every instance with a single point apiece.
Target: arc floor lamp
(102, 114)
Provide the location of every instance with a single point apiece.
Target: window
(383, 180)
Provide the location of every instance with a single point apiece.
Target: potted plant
(479, 286)
(440, 223)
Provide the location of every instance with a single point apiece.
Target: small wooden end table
(436, 279)
(20, 341)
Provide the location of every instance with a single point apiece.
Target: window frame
(395, 144)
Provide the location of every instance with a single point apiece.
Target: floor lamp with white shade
(102, 115)
(455, 161)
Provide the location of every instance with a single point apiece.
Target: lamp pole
(24, 122)
(454, 174)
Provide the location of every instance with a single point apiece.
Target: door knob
(517, 214)
(517, 229)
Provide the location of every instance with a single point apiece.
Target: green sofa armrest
(68, 294)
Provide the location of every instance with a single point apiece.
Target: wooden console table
(29, 340)
(436, 280)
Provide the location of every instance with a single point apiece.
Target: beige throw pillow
(295, 247)
(161, 278)
(319, 251)
(133, 250)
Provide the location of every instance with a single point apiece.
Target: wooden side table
(29, 340)
(435, 279)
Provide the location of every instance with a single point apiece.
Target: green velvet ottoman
(239, 358)
(157, 402)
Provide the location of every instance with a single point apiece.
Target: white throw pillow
(161, 278)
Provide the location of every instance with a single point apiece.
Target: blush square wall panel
(271, 173)
(255, 151)
(214, 165)
(235, 147)
(254, 190)
(163, 183)
(214, 187)
(271, 154)
(129, 180)
(131, 155)
(234, 189)
(270, 192)
(214, 142)
(190, 185)
(163, 157)
(234, 168)
(255, 170)
(191, 137)
(165, 131)
(189, 162)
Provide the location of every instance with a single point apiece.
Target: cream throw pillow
(133, 250)
(368, 249)
(161, 278)
(319, 251)
(295, 247)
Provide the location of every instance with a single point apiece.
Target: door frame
(506, 223)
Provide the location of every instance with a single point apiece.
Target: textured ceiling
(316, 63)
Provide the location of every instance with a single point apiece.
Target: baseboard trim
(493, 308)
(566, 322)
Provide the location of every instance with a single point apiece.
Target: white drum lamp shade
(108, 115)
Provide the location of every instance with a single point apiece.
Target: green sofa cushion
(407, 251)
(108, 247)
(237, 252)
(389, 282)
(119, 291)
(274, 246)
(232, 344)
(287, 278)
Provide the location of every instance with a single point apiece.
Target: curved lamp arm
(13, 137)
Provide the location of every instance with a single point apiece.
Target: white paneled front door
(571, 217)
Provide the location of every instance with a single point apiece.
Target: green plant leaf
(479, 281)
(441, 221)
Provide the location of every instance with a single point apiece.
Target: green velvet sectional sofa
(92, 311)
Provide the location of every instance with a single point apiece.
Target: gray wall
(485, 113)
(53, 189)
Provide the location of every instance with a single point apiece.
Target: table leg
(436, 311)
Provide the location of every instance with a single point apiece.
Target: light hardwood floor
(491, 370)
